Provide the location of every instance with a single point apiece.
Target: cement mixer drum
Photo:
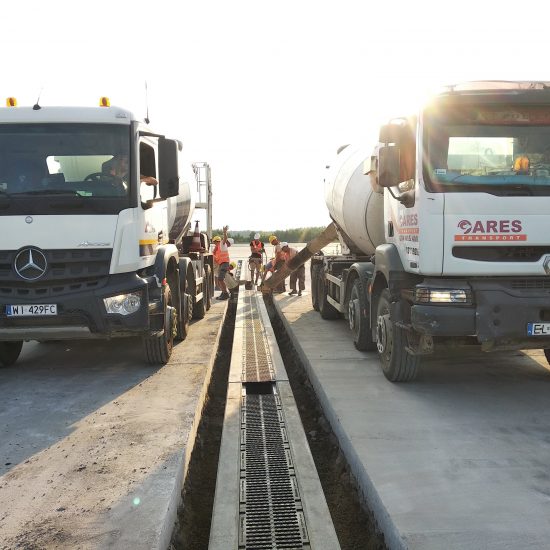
(353, 205)
(182, 206)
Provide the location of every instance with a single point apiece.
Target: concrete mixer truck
(95, 212)
(445, 228)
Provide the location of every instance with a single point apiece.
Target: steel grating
(271, 511)
(257, 365)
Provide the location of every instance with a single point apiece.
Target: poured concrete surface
(94, 442)
(458, 459)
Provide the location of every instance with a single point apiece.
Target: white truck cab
(95, 208)
(464, 186)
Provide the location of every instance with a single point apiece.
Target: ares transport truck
(91, 246)
(445, 228)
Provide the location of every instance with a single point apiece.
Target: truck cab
(467, 220)
(94, 210)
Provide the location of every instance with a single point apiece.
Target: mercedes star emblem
(30, 264)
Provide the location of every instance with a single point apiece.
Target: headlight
(442, 296)
(123, 304)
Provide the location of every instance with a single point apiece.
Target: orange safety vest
(256, 246)
(220, 256)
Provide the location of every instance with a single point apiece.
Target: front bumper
(497, 320)
(81, 312)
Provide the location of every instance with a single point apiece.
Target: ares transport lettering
(490, 230)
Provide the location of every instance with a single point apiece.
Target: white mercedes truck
(445, 228)
(95, 240)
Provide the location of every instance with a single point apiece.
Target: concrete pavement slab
(456, 459)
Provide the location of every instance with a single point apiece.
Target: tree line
(296, 235)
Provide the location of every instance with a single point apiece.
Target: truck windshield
(46, 166)
(502, 150)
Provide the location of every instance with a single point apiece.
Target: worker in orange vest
(298, 275)
(255, 259)
(221, 260)
(276, 262)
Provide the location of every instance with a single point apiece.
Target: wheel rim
(384, 331)
(353, 308)
(352, 314)
(384, 335)
(172, 322)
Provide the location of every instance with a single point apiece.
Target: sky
(265, 92)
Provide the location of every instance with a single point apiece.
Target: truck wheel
(9, 352)
(199, 308)
(359, 317)
(183, 324)
(159, 348)
(207, 288)
(315, 270)
(326, 309)
(398, 365)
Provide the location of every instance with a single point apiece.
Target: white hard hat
(283, 244)
(231, 240)
(256, 236)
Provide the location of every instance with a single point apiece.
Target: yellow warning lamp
(104, 102)
(521, 164)
(11, 102)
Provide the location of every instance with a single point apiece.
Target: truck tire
(199, 308)
(9, 352)
(185, 317)
(358, 314)
(159, 348)
(398, 365)
(326, 309)
(315, 270)
(207, 287)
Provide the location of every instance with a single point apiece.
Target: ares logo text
(490, 230)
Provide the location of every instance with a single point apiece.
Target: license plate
(538, 329)
(29, 310)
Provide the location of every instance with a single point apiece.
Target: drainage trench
(268, 495)
(270, 507)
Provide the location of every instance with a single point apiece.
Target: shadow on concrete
(56, 384)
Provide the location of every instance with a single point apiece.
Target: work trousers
(298, 276)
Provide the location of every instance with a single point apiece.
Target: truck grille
(67, 271)
(531, 284)
(501, 253)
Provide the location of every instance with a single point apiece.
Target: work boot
(223, 296)
(299, 293)
(292, 292)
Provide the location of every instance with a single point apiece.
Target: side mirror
(388, 166)
(168, 168)
(390, 133)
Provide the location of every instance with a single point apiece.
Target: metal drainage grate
(257, 365)
(271, 511)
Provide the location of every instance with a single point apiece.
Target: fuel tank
(356, 209)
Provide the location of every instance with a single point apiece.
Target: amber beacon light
(11, 102)
(104, 102)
